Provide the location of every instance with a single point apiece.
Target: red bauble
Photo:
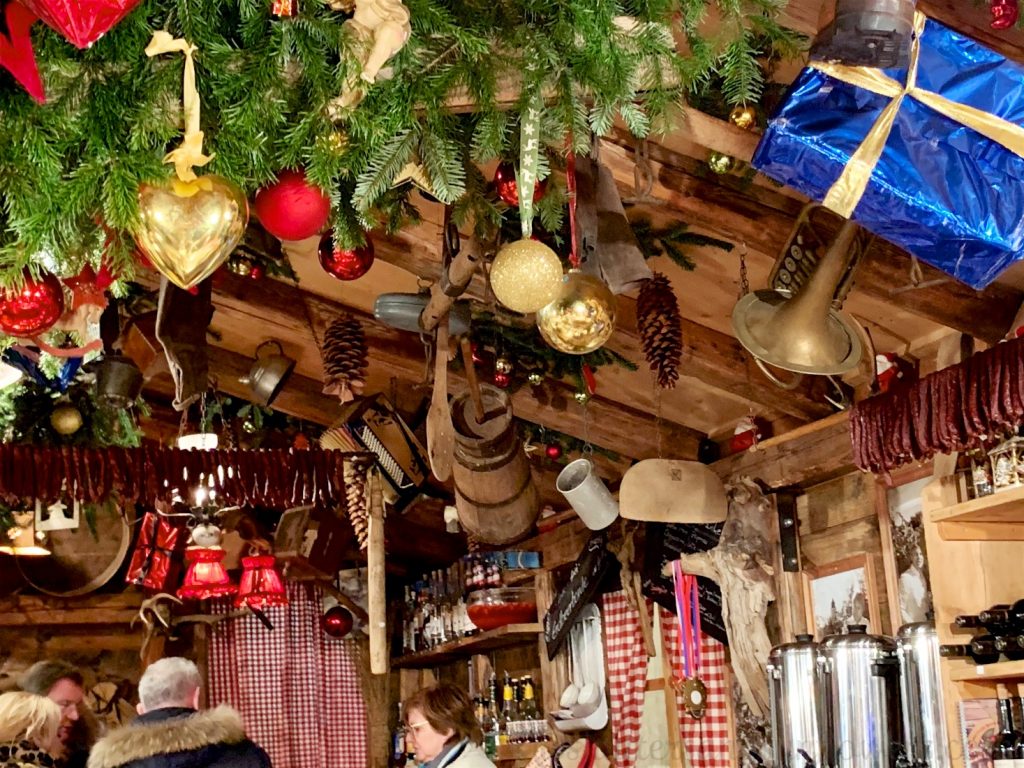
(32, 309)
(16, 54)
(553, 451)
(257, 272)
(345, 264)
(336, 621)
(1004, 13)
(82, 22)
(291, 208)
(502, 379)
(505, 184)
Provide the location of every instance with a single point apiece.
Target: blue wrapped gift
(929, 157)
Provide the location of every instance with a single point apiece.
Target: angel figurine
(380, 28)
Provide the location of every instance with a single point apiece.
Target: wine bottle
(1018, 747)
(981, 620)
(965, 651)
(1011, 646)
(1005, 615)
(1004, 747)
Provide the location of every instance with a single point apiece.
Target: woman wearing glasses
(441, 729)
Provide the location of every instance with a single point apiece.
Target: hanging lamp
(206, 576)
(261, 585)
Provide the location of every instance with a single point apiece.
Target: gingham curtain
(297, 689)
(706, 740)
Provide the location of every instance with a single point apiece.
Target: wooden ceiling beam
(763, 218)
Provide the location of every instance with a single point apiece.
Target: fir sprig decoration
(672, 242)
(73, 166)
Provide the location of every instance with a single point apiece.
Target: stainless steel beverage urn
(859, 674)
(798, 725)
(924, 720)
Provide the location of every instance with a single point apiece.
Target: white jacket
(472, 757)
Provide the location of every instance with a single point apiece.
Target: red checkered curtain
(297, 689)
(706, 740)
(627, 675)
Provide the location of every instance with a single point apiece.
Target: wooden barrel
(494, 491)
(83, 559)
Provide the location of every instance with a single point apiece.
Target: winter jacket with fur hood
(180, 738)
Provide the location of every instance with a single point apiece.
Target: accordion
(372, 424)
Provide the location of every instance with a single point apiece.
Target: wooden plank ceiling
(720, 383)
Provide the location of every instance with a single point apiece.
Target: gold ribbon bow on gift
(846, 192)
(190, 153)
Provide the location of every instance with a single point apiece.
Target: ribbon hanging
(688, 616)
(570, 188)
(190, 152)
(529, 160)
(849, 188)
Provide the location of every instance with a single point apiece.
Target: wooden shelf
(999, 507)
(515, 577)
(502, 637)
(964, 671)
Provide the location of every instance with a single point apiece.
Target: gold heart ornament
(189, 228)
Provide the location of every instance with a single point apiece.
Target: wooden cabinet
(976, 559)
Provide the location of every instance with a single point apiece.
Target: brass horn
(802, 332)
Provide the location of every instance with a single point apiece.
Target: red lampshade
(206, 575)
(261, 584)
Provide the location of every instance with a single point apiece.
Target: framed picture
(904, 555)
(839, 594)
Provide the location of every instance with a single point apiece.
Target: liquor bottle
(1011, 616)
(1003, 748)
(506, 715)
(489, 726)
(966, 651)
(398, 748)
(529, 712)
(420, 617)
(447, 635)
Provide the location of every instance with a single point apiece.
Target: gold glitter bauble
(240, 265)
(526, 275)
(535, 379)
(66, 419)
(721, 163)
(581, 397)
(582, 317)
(744, 117)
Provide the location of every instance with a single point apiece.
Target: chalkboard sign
(663, 544)
(594, 565)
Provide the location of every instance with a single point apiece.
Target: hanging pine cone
(659, 323)
(345, 358)
(357, 498)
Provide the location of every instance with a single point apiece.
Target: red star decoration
(81, 22)
(16, 54)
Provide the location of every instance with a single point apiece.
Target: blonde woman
(29, 727)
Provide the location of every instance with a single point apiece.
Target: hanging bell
(118, 382)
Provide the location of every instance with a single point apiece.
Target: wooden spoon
(440, 431)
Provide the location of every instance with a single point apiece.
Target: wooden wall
(839, 519)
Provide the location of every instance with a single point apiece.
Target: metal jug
(118, 382)
(268, 374)
(924, 722)
(797, 716)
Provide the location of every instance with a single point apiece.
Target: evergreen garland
(72, 167)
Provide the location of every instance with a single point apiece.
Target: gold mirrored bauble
(744, 117)
(721, 163)
(582, 317)
(66, 419)
(188, 229)
(526, 275)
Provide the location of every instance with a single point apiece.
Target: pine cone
(345, 358)
(660, 326)
(356, 499)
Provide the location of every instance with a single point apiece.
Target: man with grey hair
(171, 731)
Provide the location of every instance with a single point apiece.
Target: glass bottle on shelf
(967, 651)
(506, 715)
(1004, 746)
(1012, 647)
(1010, 616)
(530, 713)
(489, 726)
(398, 747)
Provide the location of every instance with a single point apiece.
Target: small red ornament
(502, 379)
(508, 191)
(336, 621)
(479, 358)
(32, 309)
(83, 22)
(345, 264)
(1004, 13)
(16, 54)
(553, 451)
(257, 272)
(291, 208)
(284, 9)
